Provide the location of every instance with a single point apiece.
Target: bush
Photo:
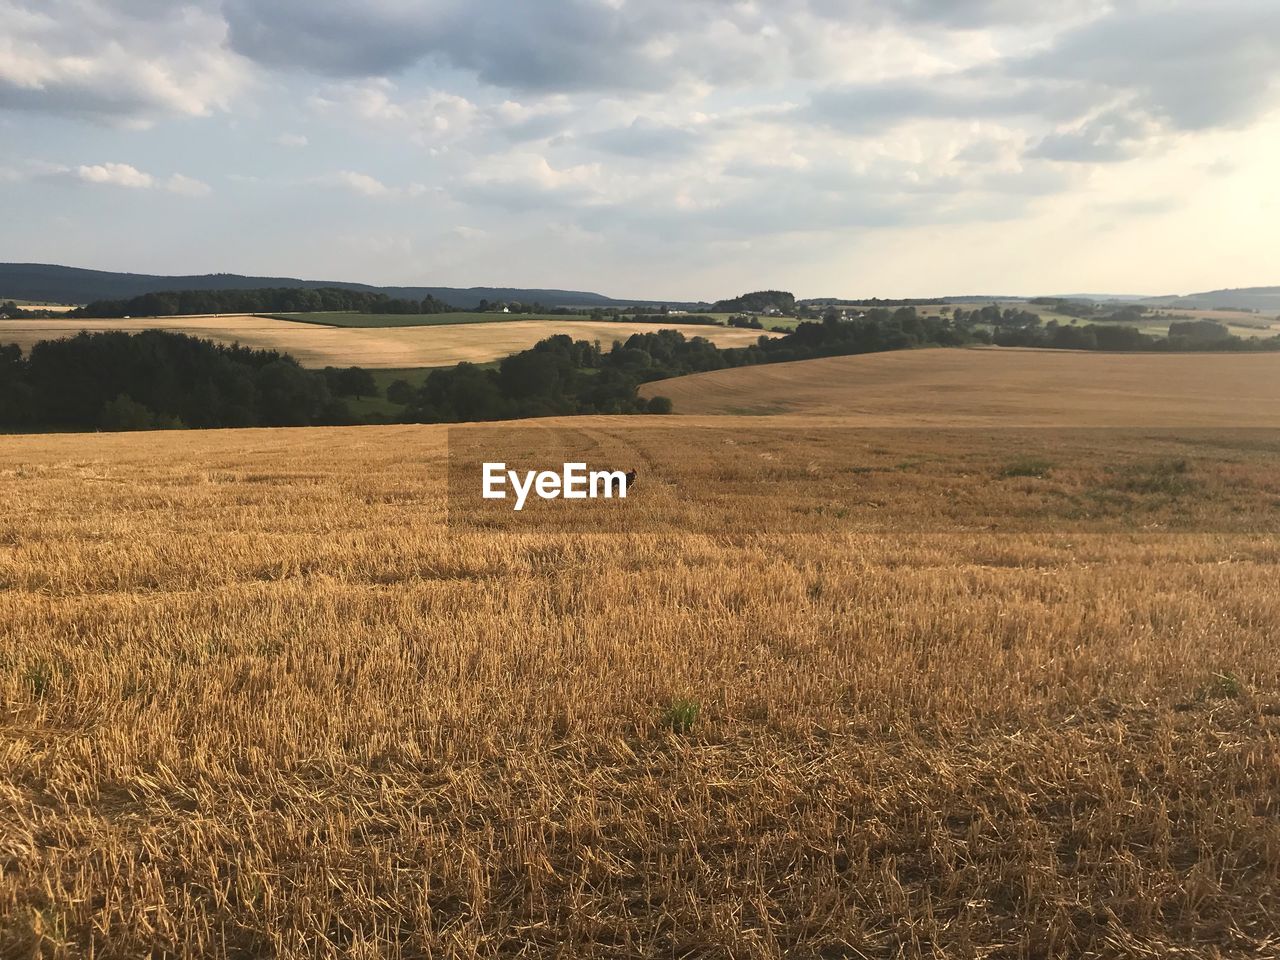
(124, 413)
(659, 405)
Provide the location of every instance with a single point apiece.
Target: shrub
(125, 413)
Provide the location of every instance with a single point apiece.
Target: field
(37, 305)
(261, 694)
(997, 385)
(407, 320)
(1156, 322)
(316, 345)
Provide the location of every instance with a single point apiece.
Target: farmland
(997, 385)
(262, 694)
(39, 305)
(408, 320)
(1156, 321)
(316, 345)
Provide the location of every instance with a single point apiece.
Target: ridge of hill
(59, 284)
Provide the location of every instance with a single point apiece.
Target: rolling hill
(58, 284)
(996, 387)
(1261, 299)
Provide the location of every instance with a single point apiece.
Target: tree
(659, 405)
(400, 391)
(358, 382)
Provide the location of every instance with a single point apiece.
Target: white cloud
(360, 183)
(115, 174)
(187, 186)
(295, 140)
(431, 118)
(366, 185)
(122, 175)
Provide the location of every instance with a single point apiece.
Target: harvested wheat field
(314, 345)
(266, 693)
(996, 386)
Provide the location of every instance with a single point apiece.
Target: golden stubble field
(258, 698)
(998, 385)
(314, 345)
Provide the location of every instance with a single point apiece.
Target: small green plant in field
(682, 715)
(1227, 685)
(40, 677)
(1027, 467)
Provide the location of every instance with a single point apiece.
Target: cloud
(1111, 136)
(647, 139)
(1102, 91)
(969, 14)
(365, 185)
(1193, 66)
(528, 181)
(116, 61)
(360, 183)
(187, 186)
(125, 175)
(115, 174)
(695, 120)
(579, 46)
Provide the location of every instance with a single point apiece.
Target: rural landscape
(677, 480)
(915, 652)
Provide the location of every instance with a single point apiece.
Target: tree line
(156, 379)
(270, 300)
(1188, 336)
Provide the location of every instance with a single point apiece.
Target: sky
(667, 149)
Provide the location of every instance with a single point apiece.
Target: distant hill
(1262, 299)
(57, 284)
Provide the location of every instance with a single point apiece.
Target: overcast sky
(686, 149)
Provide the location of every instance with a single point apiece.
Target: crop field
(407, 320)
(267, 693)
(315, 345)
(38, 305)
(1155, 323)
(997, 385)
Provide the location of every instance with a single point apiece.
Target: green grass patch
(1027, 467)
(1171, 476)
(682, 715)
